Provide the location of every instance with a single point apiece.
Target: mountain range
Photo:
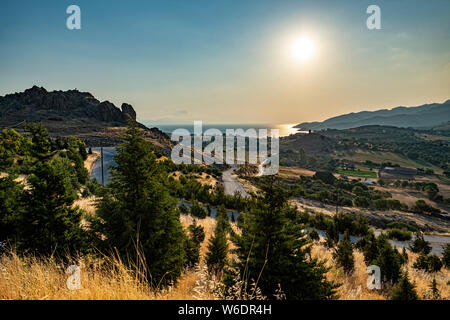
(425, 116)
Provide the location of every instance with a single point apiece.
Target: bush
(401, 225)
(92, 188)
(399, 234)
(197, 210)
(314, 235)
(420, 245)
(420, 206)
(325, 176)
(430, 263)
(361, 202)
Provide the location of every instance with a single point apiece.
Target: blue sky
(226, 60)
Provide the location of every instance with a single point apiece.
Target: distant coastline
(284, 129)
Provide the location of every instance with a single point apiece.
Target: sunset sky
(230, 61)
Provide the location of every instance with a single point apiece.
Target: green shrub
(420, 245)
(429, 263)
(399, 234)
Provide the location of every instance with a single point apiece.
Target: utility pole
(103, 176)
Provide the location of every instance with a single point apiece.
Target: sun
(303, 49)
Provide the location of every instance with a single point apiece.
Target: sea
(284, 129)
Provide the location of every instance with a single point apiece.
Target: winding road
(231, 184)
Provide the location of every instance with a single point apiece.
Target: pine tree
(11, 209)
(73, 153)
(343, 254)
(41, 142)
(197, 210)
(435, 294)
(273, 251)
(405, 254)
(370, 248)
(50, 224)
(216, 257)
(404, 290)
(389, 260)
(193, 243)
(332, 234)
(222, 219)
(197, 232)
(446, 256)
(420, 245)
(138, 216)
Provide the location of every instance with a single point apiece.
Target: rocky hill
(425, 116)
(312, 143)
(73, 113)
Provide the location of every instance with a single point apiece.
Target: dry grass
(108, 278)
(43, 279)
(203, 178)
(91, 159)
(87, 204)
(354, 286)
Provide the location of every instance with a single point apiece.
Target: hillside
(425, 116)
(73, 113)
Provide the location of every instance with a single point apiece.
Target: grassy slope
(110, 279)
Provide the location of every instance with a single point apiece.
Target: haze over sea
(284, 129)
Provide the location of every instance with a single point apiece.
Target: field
(380, 157)
(358, 173)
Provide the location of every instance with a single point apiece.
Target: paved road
(231, 184)
(108, 161)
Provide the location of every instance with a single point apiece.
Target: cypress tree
(138, 216)
(273, 250)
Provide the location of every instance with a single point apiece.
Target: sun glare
(303, 49)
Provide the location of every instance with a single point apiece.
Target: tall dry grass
(109, 278)
(354, 287)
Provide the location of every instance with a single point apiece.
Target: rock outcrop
(37, 104)
(128, 111)
(74, 113)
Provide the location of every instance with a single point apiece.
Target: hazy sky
(230, 61)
